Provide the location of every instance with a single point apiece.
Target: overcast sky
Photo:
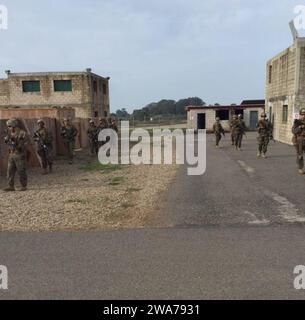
(151, 49)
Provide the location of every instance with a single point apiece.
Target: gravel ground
(74, 198)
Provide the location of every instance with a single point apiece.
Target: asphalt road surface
(237, 232)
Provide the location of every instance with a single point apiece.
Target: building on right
(285, 89)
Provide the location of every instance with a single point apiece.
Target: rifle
(40, 141)
(68, 138)
(10, 141)
(272, 138)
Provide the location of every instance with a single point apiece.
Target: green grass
(151, 130)
(80, 201)
(87, 201)
(115, 181)
(133, 189)
(127, 205)
(104, 168)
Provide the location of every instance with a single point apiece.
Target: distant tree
(166, 107)
(181, 104)
(141, 114)
(122, 113)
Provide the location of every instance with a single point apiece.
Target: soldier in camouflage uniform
(69, 133)
(44, 140)
(264, 128)
(218, 131)
(239, 130)
(102, 125)
(232, 126)
(17, 141)
(109, 122)
(113, 125)
(92, 133)
(298, 130)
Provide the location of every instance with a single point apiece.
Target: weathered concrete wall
(282, 130)
(210, 115)
(35, 113)
(285, 86)
(4, 93)
(80, 93)
(247, 113)
(89, 95)
(280, 74)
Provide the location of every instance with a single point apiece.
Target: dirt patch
(86, 196)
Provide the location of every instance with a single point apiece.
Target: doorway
(253, 119)
(201, 121)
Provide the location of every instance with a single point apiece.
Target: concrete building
(285, 89)
(86, 92)
(204, 117)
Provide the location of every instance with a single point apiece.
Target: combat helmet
(67, 120)
(302, 111)
(12, 123)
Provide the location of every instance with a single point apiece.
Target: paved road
(236, 232)
(238, 189)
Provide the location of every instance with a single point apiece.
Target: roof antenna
(294, 31)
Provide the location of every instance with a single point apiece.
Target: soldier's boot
(264, 155)
(44, 171)
(23, 188)
(300, 162)
(9, 188)
(259, 154)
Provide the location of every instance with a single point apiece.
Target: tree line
(161, 109)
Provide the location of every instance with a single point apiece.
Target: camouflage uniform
(17, 141)
(44, 140)
(218, 131)
(239, 130)
(232, 126)
(102, 125)
(69, 133)
(298, 130)
(92, 133)
(113, 125)
(264, 134)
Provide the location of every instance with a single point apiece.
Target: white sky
(151, 49)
